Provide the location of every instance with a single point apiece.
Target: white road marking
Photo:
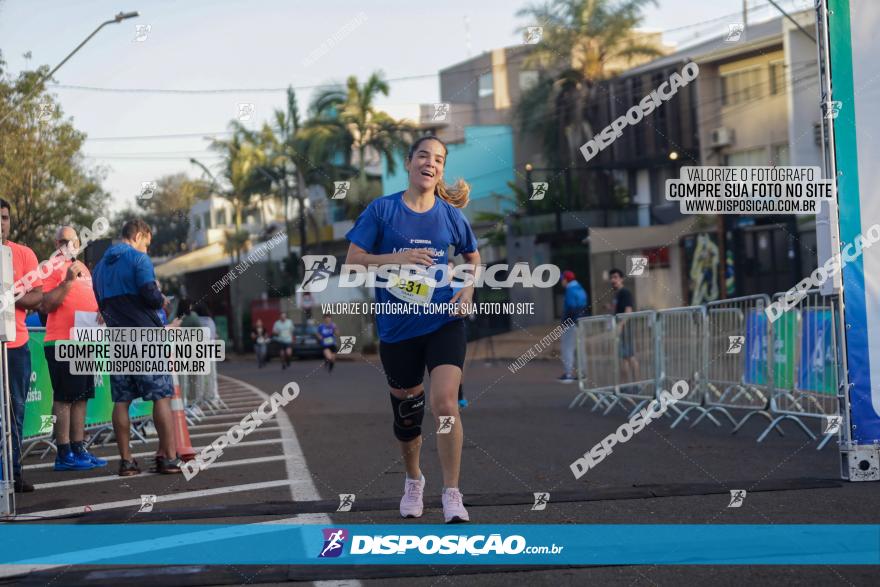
(243, 443)
(105, 478)
(269, 424)
(111, 505)
(301, 486)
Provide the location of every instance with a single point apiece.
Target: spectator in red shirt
(24, 263)
(69, 292)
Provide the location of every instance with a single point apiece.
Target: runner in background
(261, 342)
(69, 297)
(327, 335)
(417, 227)
(283, 331)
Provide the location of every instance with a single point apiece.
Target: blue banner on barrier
(818, 365)
(756, 348)
(290, 544)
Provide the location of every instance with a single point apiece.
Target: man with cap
(574, 307)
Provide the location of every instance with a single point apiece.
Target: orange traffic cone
(181, 432)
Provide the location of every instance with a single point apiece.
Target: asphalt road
(520, 437)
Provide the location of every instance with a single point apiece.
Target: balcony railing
(576, 220)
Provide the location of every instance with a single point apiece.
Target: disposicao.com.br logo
(403, 544)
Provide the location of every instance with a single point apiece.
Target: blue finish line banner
(289, 544)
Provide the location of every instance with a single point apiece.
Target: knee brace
(408, 415)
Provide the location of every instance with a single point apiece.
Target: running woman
(416, 227)
(327, 333)
(283, 331)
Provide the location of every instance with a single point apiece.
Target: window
(750, 157)
(485, 85)
(220, 218)
(197, 223)
(779, 154)
(207, 220)
(741, 86)
(777, 77)
(527, 80)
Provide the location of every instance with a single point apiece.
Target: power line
(328, 85)
(209, 135)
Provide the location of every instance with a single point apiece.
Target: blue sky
(247, 44)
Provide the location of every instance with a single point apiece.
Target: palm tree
(243, 160)
(291, 159)
(582, 42)
(346, 121)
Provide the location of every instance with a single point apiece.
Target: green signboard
(785, 331)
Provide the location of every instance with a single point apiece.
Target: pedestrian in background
(307, 305)
(574, 307)
(624, 303)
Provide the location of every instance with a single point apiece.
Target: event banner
(854, 46)
(533, 544)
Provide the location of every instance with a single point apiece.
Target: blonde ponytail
(456, 195)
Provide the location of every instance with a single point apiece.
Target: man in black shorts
(67, 293)
(623, 303)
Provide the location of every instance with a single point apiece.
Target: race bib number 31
(415, 289)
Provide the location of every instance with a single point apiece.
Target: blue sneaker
(71, 461)
(96, 461)
(462, 403)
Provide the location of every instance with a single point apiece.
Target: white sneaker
(411, 505)
(453, 508)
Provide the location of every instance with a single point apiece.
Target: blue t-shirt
(388, 225)
(326, 332)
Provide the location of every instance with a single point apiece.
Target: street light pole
(116, 19)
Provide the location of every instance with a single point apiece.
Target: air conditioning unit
(721, 137)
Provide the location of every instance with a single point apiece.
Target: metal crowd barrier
(737, 364)
(200, 394)
(805, 364)
(597, 360)
(730, 353)
(636, 359)
(682, 351)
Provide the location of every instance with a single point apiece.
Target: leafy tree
(167, 211)
(582, 41)
(42, 172)
(346, 121)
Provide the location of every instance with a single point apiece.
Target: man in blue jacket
(574, 307)
(128, 296)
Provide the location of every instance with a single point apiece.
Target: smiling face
(426, 164)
